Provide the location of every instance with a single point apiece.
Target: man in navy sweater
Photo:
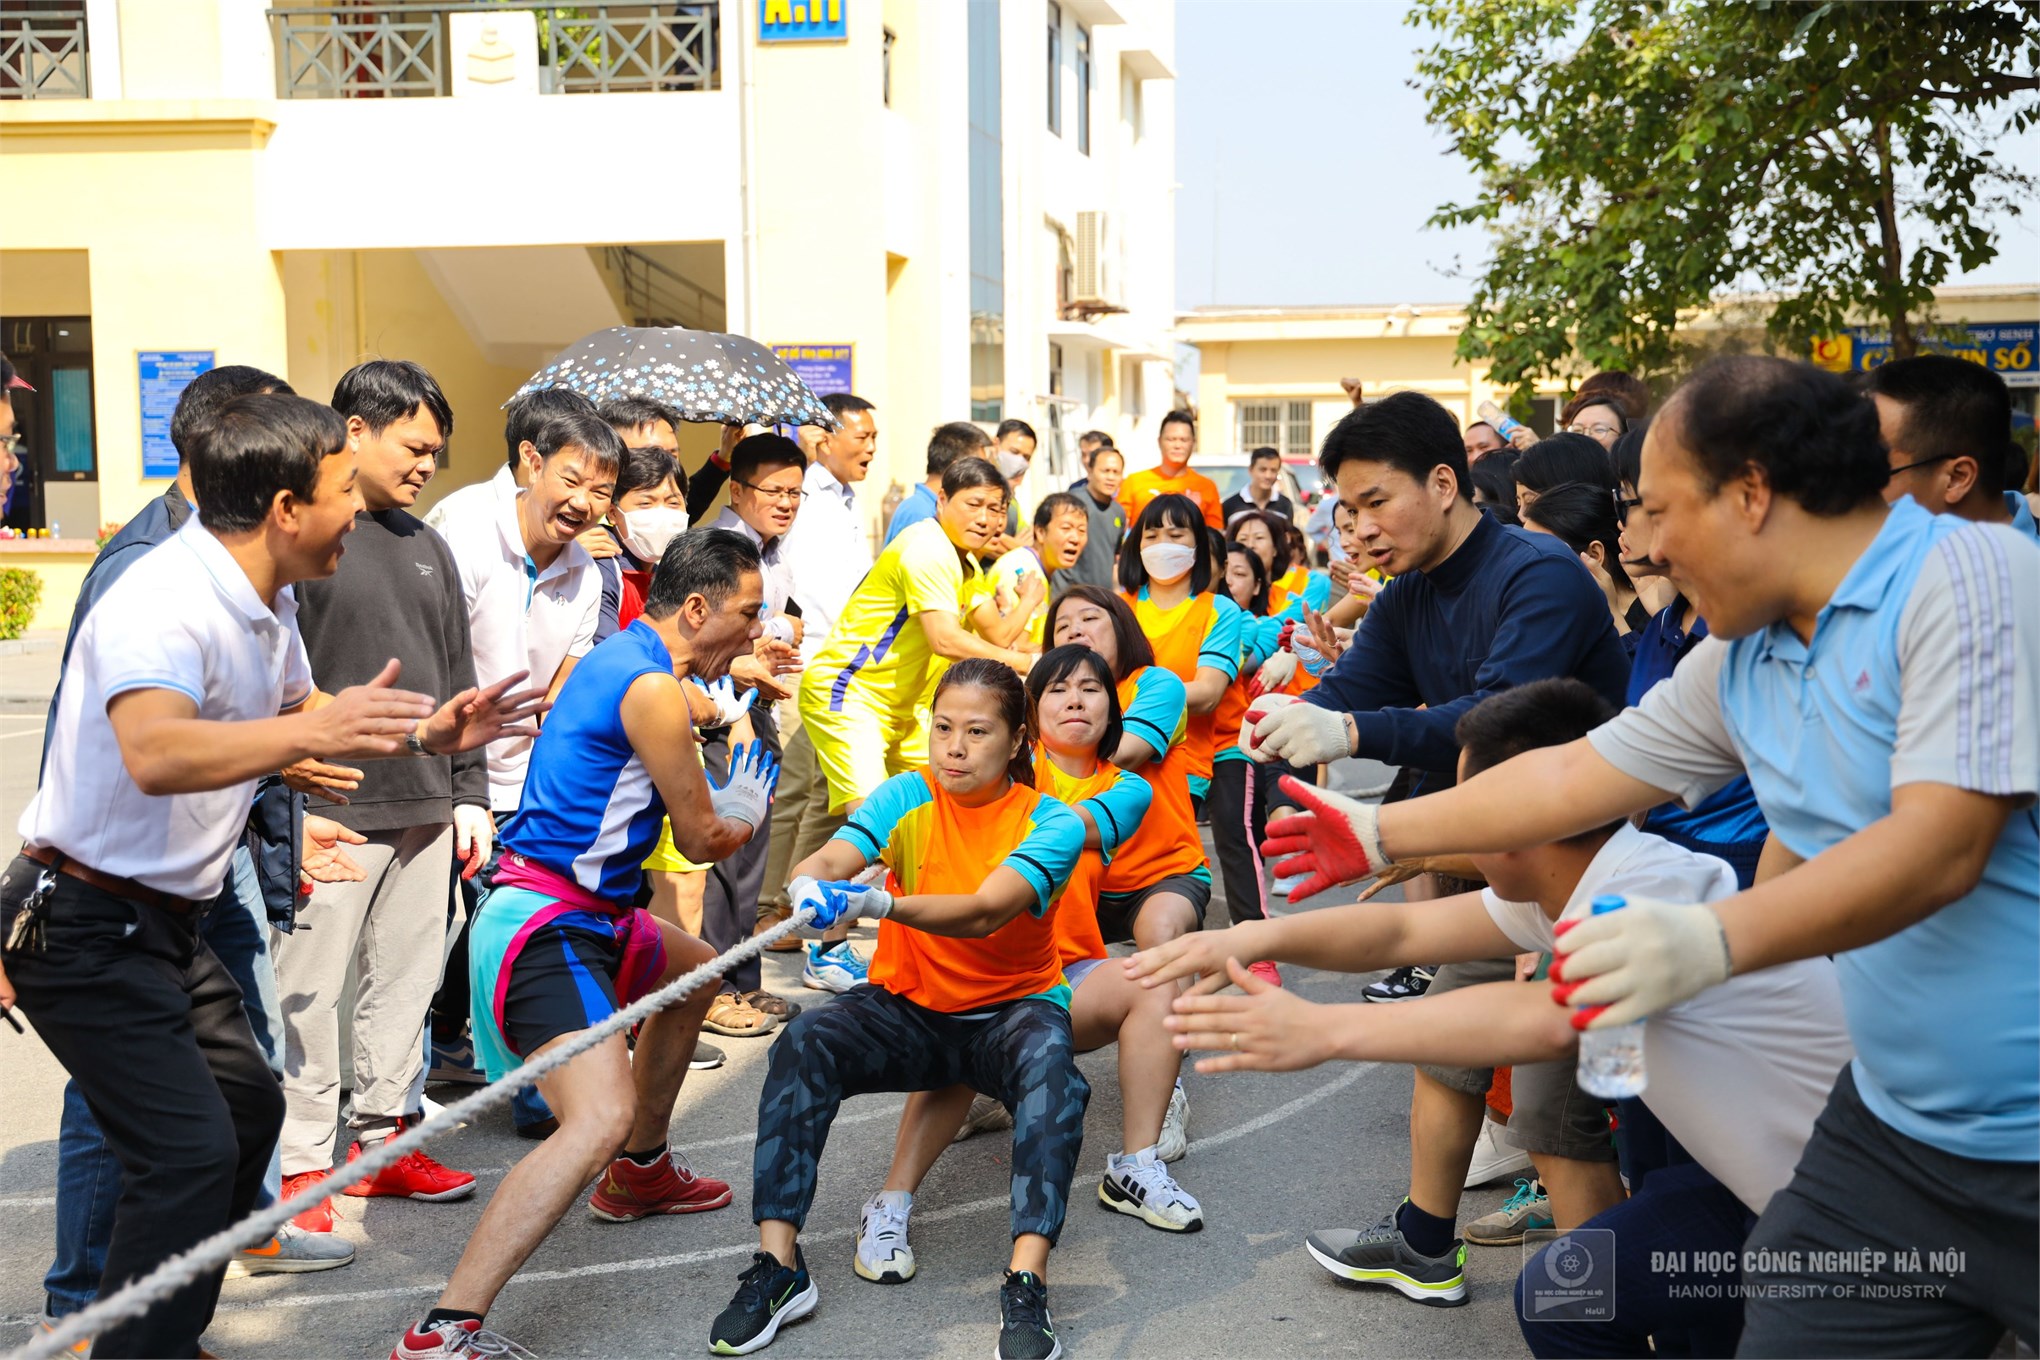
(1474, 607)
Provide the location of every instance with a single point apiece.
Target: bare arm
(835, 861)
(947, 637)
(1133, 753)
(1538, 797)
(968, 916)
(655, 718)
(1929, 851)
(1206, 689)
(1774, 859)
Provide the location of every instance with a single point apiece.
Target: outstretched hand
(320, 858)
(1333, 840)
(476, 717)
(1264, 1029)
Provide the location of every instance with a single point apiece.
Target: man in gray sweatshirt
(396, 594)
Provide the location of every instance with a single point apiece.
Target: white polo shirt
(519, 618)
(185, 618)
(827, 552)
(462, 500)
(1740, 1072)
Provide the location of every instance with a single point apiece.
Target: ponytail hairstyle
(1002, 682)
(1059, 663)
(1580, 515)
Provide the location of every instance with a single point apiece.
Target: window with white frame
(1083, 90)
(1280, 425)
(1054, 68)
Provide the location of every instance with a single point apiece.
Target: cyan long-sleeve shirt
(1507, 607)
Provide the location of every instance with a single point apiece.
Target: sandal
(735, 1018)
(770, 914)
(778, 1007)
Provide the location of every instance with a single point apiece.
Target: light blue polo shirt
(1923, 667)
(2022, 514)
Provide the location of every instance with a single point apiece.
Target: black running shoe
(1404, 984)
(1026, 1330)
(768, 1295)
(1382, 1255)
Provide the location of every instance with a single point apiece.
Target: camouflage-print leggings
(870, 1040)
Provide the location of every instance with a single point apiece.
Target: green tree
(1640, 158)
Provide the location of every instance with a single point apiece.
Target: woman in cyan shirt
(966, 988)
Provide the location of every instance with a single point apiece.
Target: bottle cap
(1608, 902)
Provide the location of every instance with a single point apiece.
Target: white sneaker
(883, 1253)
(292, 1251)
(1175, 1139)
(834, 967)
(1140, 1186)
(1493, 1159)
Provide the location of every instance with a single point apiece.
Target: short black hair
(1579, 514)
(581, 429)
(1565, 458)
(1013, 426)
(965, 473)
(841, 404)
(525, 413)
(647, 465)
(1098, 438)
(631, 413)
(1136, 653)
(1175, 511)
(1179, 417)
(1494, 477)
(385, 391)
(1626, 458)
(957, 439)
(257, 445)
(1541, 713)
(1408, 431)
(1951, 407)
(1808, 431)
(1257, 605)
(6, 376)
(198, 405)
(1059, 663)
(707, 562)
(763, 450)
(1057, 503)
(1113, 449)
(1263, 454)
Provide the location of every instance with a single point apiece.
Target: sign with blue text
(165, 373)
(802, 21)
(825, 368)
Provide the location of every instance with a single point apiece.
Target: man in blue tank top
(558, 947)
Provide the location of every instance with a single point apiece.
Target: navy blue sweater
(1506, 608)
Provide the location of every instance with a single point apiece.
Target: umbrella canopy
(705, 375)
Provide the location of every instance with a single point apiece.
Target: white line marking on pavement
(745, 1248)
(29, 1203)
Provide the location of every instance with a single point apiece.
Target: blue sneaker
(453, 1060)
(834, 968)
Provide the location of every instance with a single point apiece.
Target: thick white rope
(214, 1252)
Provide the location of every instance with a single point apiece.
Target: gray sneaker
(1381, 1255)
(1529, 1208)
(293, 1251)
(986, 1116)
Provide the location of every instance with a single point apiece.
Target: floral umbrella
(705, 375)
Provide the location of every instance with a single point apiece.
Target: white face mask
(1011, 465)
(648, 530)
(1168, 561)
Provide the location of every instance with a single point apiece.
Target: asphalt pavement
(1272, 1157)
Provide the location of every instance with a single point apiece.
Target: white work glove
(1277, 671)
(1258, 708)
(1333, 840)
(746, 792)
(835, 902)
(729, 705)
(1297, 733)
(1643, 959)
(474, 835)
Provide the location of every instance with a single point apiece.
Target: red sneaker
(455, 1341)
(629, 1191)
(1267, 972)
(417, 1176)
(318, 1218)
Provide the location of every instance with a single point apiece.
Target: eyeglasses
(1924, 462)
(793, 497)
(1623, 505)
(1594, 431)
(12, 444)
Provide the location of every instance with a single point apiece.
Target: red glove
(1332, 841)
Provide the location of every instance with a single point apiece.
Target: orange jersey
(1202, 631)
(1167, 842)
(1140, 488)
(1118, 802)
(934, 845)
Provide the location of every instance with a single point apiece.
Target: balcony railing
(42, 51)
(395, 51)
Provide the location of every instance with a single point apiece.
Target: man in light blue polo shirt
(1947, 426)
(957, 439)
(1872, 671)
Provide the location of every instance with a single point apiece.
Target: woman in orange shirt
(966, 988)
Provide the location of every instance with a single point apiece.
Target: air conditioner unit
(1098, 265)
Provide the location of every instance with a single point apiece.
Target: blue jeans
(88, 1174)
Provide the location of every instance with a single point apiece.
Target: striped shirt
(1920, 670)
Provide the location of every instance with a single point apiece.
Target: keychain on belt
(26, 936)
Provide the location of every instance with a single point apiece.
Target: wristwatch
(414, 745)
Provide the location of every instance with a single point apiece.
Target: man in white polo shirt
(169, 716)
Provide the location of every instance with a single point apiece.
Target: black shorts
(1116, 911)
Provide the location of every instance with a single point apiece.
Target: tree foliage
(1640, 158)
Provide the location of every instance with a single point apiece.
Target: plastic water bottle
(1504, 423)
(1611, 1059)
